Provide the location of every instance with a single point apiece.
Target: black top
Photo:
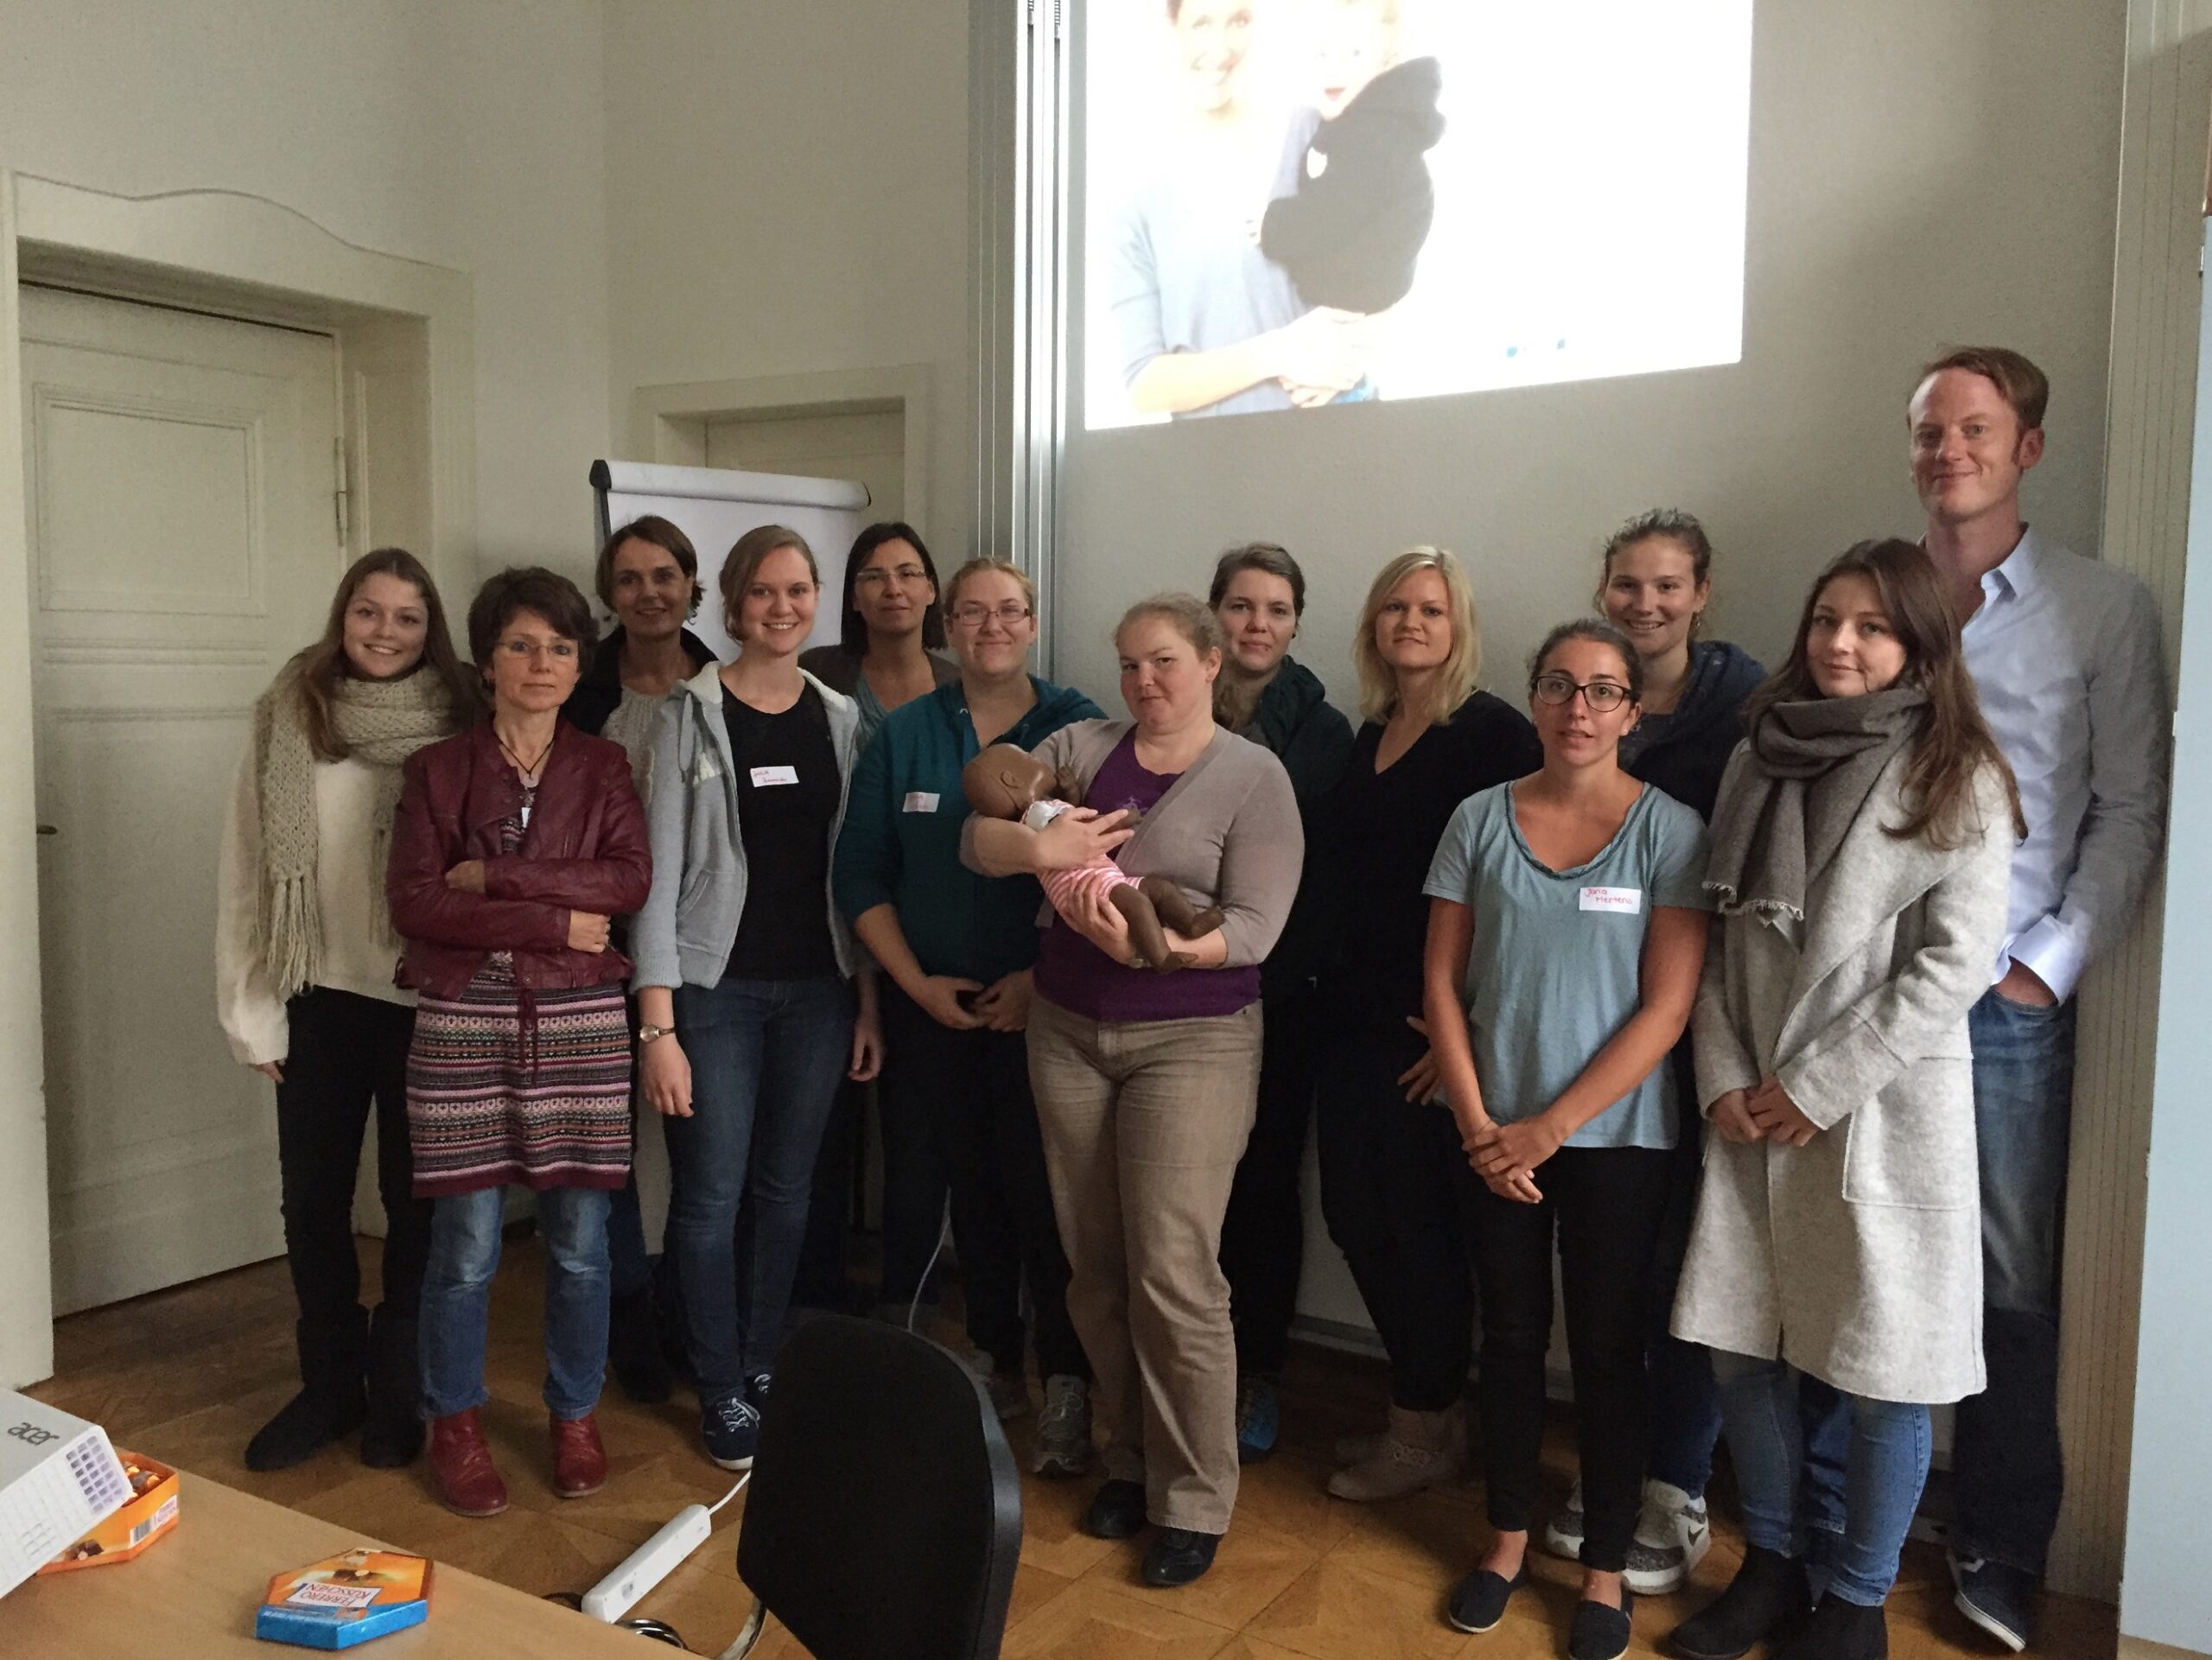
(598, 693)
(1382, 829)
(1351, 233)
(1685, 751)
(1310, 739)
(787, 794)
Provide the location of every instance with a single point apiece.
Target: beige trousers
(1144, 1123)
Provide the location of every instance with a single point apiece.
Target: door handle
(50, 830)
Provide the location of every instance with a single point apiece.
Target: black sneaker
(1479, 1601)
(1996, 1596)
(1600, 1632)
(1117, 1510)
(731, 1429)
(1178, 1556)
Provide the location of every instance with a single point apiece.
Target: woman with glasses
(956, 948)
(889, 652)
(516, 843)
(746, 1000)
(1566, 931)
(1861, 853)
(1393, 1179)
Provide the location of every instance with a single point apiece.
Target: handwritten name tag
(920, 801)
(764, 776)
(1622, 901)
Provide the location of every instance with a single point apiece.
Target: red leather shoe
(579, 1458)
(460, 1467)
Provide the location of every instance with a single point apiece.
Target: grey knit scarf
(381, 722)
(1814, 764)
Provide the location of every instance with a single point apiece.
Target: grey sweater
(683, 935)
(1227, 832)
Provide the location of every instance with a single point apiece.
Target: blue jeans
(1887, 1466)
(2007, 1475)
(765, 1058)
(457, 1298)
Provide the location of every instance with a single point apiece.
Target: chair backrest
(884, 1516)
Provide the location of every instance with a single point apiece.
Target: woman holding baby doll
(956, 950)
(1567, 930)
(1146, 1081)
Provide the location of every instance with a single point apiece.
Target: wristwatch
(648, 1032)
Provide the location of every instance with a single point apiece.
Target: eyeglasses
(1009, 615)
(876, 576)
(560, 650)
(1603, 695)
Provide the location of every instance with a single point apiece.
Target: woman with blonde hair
(304, 954)
(1394, 1184)
(1146, 1083)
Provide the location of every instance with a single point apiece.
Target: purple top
(1082, 979)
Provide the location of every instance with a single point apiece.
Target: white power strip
(650, 1563)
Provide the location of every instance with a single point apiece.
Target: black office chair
(884, 1518)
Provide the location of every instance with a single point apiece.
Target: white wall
(466, 136)
(788, 193)
(1919, 174)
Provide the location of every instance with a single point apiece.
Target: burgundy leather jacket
(584, 850)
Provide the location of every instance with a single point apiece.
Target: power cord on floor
(914, 1308)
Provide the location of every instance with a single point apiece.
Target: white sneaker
(1563, 1533)
(1063, 1428)
(1420, 1450)
(1673, 1533)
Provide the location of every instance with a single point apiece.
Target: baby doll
(1351, 233)
(1004, 782)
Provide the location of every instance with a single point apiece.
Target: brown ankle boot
(579, 1458)
(461, 1466)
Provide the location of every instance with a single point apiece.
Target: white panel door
(183, 543)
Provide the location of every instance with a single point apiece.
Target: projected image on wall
(1293, 204)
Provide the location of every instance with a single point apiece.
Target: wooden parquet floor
(186, 1374)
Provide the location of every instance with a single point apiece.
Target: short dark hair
(1600, 633)
(531, 587)
(1268, 557)
(661, 533)
(852, 630)
(2026, 387)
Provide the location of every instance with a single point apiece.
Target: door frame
(407, 361)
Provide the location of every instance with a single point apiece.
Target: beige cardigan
(1856, 1257)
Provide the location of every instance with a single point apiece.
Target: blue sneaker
(731, 1429)
(1259, 1418)
(1996, 1596)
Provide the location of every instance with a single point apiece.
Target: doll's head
(1002, 782)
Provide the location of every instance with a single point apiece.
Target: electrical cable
(731, 1494)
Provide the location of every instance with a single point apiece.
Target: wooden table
(194, 1594)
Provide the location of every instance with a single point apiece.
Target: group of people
(1750, 995)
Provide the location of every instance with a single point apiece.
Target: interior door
(184, 541)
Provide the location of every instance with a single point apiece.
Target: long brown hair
(322, 665)
(1955, 743)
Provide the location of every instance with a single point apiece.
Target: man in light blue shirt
(2065, 653)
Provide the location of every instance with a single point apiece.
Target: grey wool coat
(1856, 1257)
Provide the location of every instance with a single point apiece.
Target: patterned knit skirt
(505, 1084)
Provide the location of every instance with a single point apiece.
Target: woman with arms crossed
(1566, 932)
(1259, 594)
(956, 949)
(1861, 859)
(1394, 1186)
(516, 841)
(304, 954)
(745, 972)
(1146, 1082)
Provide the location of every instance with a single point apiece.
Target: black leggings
(1607, 1204)
(1263, 1233)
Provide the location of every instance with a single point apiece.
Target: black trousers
(1395, 1190)
(1263, 1234)
(971, 1090)
(348, 1052)
(1604, 1205)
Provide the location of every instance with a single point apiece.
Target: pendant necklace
(528, 771)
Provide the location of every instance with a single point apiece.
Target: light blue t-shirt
(1556, 966)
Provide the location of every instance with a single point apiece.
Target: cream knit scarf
(381, 722)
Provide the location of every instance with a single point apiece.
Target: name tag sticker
(764, 776)
(920, 801)
(1623, 901)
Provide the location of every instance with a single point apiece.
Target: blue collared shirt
(2066, 656)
